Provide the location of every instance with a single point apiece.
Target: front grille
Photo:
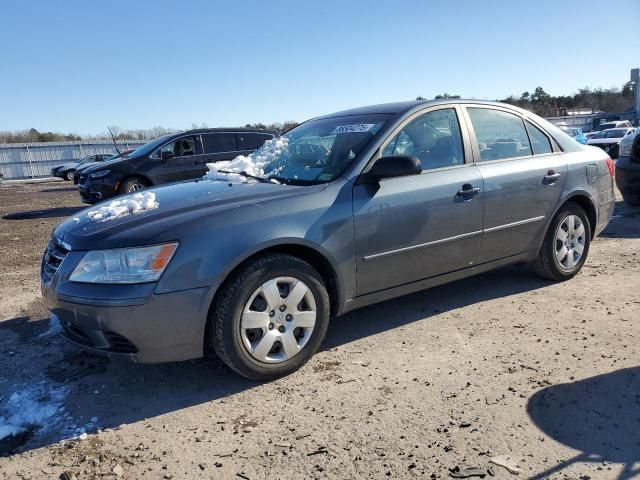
(53, 257)
(82, 178)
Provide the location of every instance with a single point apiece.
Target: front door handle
(468, 191)
(551, 177)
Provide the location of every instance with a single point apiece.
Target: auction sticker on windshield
(359, 128)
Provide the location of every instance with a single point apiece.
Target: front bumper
(128, 320)
(96, 190)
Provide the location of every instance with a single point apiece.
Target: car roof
(400, 108)
(225, 130)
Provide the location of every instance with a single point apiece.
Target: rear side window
(219, 142)
(500, 135)
(252, 141)
(539, 141)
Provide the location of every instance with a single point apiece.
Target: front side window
(219, 142)
(434, 138)
(539, 141)
(500, 135)
(181, 147)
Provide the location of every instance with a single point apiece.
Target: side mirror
(166, 155)
(395, 166)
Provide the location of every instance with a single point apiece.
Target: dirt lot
(503, 363)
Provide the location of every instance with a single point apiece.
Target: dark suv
(170, 158)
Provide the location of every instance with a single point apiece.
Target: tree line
(611, 100)
(32, 135)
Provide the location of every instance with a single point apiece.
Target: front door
(523, 180)
(411, 228)
(177, 160)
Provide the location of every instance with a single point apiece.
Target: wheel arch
(585, 200)
(319, 261)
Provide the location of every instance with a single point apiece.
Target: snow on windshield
(133, 204)
(253, 164)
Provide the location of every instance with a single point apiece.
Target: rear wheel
(565, 246)
(69, 175)
(270, 317)
(133, 185)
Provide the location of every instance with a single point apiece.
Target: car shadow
(597, 416)
(56, 190)
(625, 222)
(47, 213)
(120, 392)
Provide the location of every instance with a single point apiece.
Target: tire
(253, 352)
(132, 184)
(69, 175)
(548, 263)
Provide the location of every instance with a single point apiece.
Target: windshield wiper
(247, 175)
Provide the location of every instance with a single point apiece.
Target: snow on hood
(132, 204)
(251, 164)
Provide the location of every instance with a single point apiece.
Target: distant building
(587, 119)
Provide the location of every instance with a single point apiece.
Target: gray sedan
(343, 211)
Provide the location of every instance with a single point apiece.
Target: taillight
(610, 166)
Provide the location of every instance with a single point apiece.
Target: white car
(609, 139)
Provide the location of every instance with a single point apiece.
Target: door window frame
(464, 136)
(196, 138)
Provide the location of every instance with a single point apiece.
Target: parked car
(67, 170)
(613, 124)
(387, 200)
(628, 168)
(82, 168)
(608, 140)
(576, 133)
(171, 158)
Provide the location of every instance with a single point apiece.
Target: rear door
(411, 228)
(523, 173)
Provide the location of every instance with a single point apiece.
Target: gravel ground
(499, 364)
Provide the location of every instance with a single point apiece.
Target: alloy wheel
(570, 242)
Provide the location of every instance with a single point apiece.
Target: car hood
(177, 204)
(103, 165)
(66, 166)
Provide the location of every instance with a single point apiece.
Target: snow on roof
(132, 204)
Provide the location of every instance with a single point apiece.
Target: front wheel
(132, 185)
(270, 317)
(69, 175)
(565, 246)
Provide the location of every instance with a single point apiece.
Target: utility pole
(635, 78)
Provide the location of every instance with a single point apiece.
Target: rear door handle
(468, 190)
(551, 177)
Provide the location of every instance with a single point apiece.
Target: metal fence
(34, 160)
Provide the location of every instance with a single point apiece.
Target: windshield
(149, 147)
(317, 151)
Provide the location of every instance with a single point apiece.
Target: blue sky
(78, 66)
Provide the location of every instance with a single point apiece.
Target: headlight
(124, 265)
(100, 174)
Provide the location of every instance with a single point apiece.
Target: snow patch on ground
(132, 204)
(55, 327)
(35, 407)
(251, 164)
